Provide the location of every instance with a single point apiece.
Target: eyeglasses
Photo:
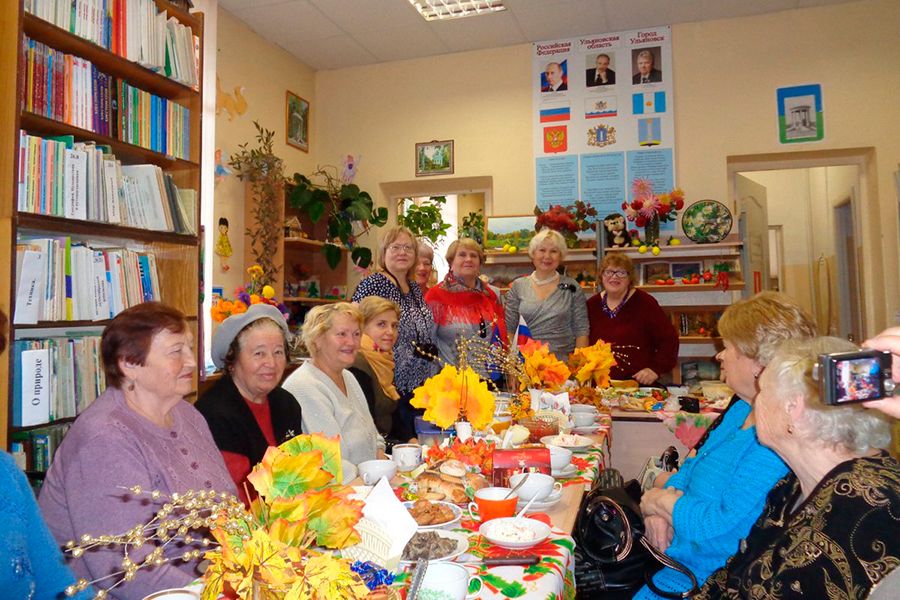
(615, 274)
(398, 248)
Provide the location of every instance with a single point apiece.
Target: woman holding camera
(831, 527)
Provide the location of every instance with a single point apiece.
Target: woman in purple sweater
(140, 431)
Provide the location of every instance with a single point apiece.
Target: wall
(241, 52)
(726, 73)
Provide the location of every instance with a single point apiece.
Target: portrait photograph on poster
(555, 77)
(434, 158)
(800, 115)
(515, 230)
(646, 65)
(297, 121)
(599, 69)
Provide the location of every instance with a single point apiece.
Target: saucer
(567, 471)
(540, 505)
(587, 429)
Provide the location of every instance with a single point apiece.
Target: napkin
(383, 507)
(541, 399)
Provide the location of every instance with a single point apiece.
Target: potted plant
(425, 220)
(265, 173)
(348, 211)
(473, 226)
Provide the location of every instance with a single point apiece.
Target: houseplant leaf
(361, 256)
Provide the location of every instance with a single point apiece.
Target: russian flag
(555, 113)
(523, 334)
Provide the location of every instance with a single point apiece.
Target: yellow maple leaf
(593, 363)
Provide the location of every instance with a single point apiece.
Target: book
(34, 400)
(30, 279)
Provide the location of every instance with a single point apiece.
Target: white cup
(449, 579)
(583, 408)
(583, 419)
(537, 488)
(407, 456)
(463, 430)
(373, 470)
(559, 457)
(174, 594)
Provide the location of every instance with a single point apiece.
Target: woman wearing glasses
(464, 306)
(394, 280)
(644, 341)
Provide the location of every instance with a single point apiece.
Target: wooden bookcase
(177, 255)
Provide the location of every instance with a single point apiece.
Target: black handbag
(612, 555)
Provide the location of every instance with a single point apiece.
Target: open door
(850, 323)
(753, 225)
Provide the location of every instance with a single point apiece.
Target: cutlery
(511, 560)
(415, 582)
(526, 507)
(517, 486)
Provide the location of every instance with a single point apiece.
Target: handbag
(612, 554)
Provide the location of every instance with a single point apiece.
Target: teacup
(559, 457)
(407, 456)
(538, 486)
(449, 580)
(372, 470)
(583, 408)
(583, 419)
(174, 594)
(492, 503)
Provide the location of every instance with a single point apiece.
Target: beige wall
(265, 72)
(726, 73)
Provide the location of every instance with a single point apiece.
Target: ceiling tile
(550, 21)
(236, 5)
(335, 52)
(473, 33)
(417, 42)
(297, 18)
(354, 16)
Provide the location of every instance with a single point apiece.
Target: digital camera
(859, 376)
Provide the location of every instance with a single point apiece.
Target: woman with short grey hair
(552, 305)
(830, 529)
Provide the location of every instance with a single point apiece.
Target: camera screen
(858, 379)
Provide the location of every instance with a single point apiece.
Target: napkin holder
(374, 546)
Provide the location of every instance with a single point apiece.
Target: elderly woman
(397, 259)
(246, 410)
(139, 432)
(464, 306)
(424, 266)
(642, 336)
(709, 505)
(552, 305)
(332, 401)
(829, 529)
(374, 365)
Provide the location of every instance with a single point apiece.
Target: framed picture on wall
(515, 230)
(653, 271)
(434, 158)
(296, 111)
(686, 269)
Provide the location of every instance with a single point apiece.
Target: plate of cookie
(433, 514)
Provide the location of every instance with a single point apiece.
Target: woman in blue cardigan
(706, 508)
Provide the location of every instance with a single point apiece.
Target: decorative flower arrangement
(592, 364)
(266, 552)
(648, 209)
(542, 368)
(568, 220)
(255, 292)
(520, 406)
(453, 394)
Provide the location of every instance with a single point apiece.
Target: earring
(790, 429)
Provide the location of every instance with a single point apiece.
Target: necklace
(550, 279)
(612, 312)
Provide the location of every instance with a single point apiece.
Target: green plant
(425, 220)
(265, 172)
(343, 205)
(473, 226)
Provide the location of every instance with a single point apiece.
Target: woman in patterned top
(397, 259)
(831, 528)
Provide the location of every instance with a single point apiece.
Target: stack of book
(71, 90)
(34, 449)
(60, 177)
(134, 29)
(64, 280)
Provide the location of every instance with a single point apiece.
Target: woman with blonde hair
(466, 307)
(331, 399)
(709, 505)
(374, 365)
(552, 305)
(830, 528)
(644, 340)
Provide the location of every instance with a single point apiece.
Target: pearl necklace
(550, 279)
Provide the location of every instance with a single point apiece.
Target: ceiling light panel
(433, 10)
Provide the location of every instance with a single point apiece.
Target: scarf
(382, 364)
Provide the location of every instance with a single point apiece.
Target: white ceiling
(333, 34)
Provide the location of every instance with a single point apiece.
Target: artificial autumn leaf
(543, 369)
(282, 475)
(334, 521)
(477, 400)
(593, 363)
(329, 447)
(452, 393)
(530, 346)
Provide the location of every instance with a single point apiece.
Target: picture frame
(686, 269)
(800, 114)
(434, 158)
(652, 271)
(296, 121)
(512, 230)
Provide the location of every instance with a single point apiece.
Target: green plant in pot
(473, 226)
(424, 220)
(265, 173)
(349, 213)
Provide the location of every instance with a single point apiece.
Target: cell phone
(847, 377)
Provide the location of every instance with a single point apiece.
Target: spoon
(526, 507)
(517, 486)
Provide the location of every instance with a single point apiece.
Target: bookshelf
(176, 250)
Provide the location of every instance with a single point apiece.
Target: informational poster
(603, 117)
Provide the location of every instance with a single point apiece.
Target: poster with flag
(556, 139)
(554, 113)
(648, 103)
(649, 132)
